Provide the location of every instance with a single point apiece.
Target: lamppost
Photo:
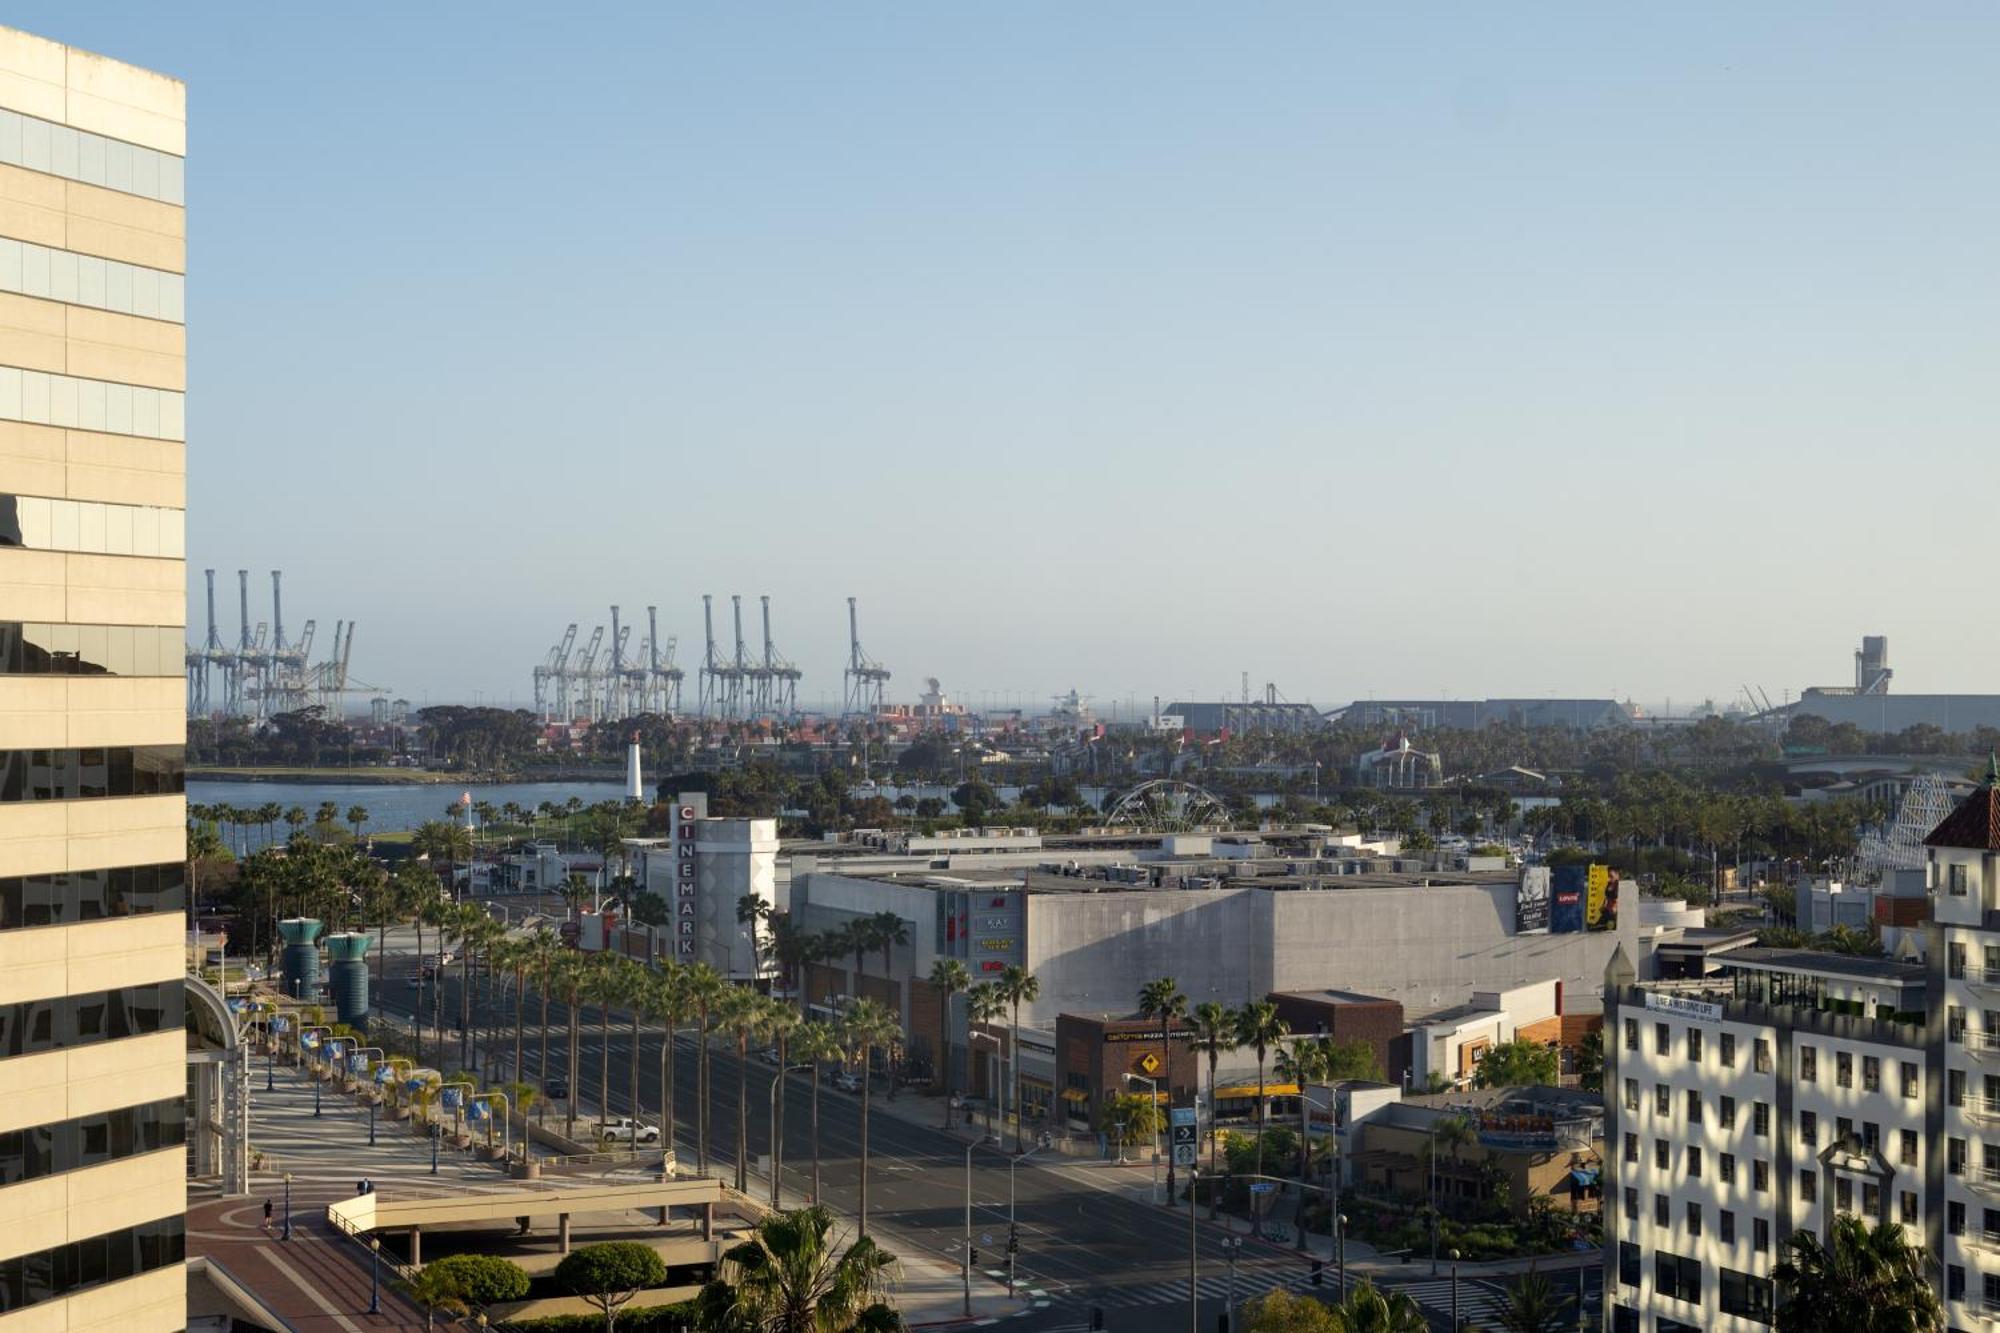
(1194, 1275)
(434, 1147)
(992, 1093)
(374, 1275)
(1340, 1252)
(1455, 1325)
(1013, 1236)
(965, 1260)
(1152, 1087)
(287, 1235)
(777, 1149)
(1231, 1247)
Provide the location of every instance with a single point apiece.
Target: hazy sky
(1398, 350)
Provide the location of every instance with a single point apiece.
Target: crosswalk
(1478, 1303)
(1249, 1284)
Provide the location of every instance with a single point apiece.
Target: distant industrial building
(1472, 714)
(1867, 703)
(1267, 714)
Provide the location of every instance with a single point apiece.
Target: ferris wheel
(1170, 806)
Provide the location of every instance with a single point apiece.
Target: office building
(93, 1075)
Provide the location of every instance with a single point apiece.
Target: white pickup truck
(624, 1129)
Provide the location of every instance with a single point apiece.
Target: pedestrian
(267, 1217)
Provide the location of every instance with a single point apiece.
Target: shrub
(648, 1319)
(459, 1281)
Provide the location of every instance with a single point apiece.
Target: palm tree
(780, 1021)
(1449, 1133)
(1214, 1032)
(1368, 1310)
(816, 1044)
(857, 938)
(1129, 1116)
(705, 986)
(741, 1010)
(1870, 1280)
(948, 978)
(789, 1277)
(575, 891)
(571, 977)
(1533, 1306)
(1017, 984)
(983, 1004)
(668, 1003)
(868, 1025)
(753, 911)
(888, 933)
(545, 957)
(604, 986)
(1259, 1027)
(1306, 1062)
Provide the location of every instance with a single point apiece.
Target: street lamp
(1194, 1274)
(374, 1275)
(1340, 1252)
(1013, 1236)
(992, 1093)
(288, 1208)
(1152, 1086)
(1231, 1247)
(965, 1258)
(1454, 1292)
(777, 1148)
(434, 1147)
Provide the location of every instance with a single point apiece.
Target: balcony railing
(1984, 1179)
(1988, 1241)
(1985, 978)
(1986, 1110)
(1982, 1043)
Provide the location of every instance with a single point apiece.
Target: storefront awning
(1075, 1095)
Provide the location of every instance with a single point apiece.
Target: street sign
(1181, 1115)
(1185, 1145)
(1263, 1186)
(1184, 1154)
(985, 1238)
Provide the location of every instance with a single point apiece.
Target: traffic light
(975, 1256)
(1319, 1273)
(1096, 1319)
(1013, 1239)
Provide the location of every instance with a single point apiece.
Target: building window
(1663, 1211)
(1725, 1227)
(1871, 1135)
(1843, 1194)
(1694, 1106)
(1808, 1129)
(1727, 1168)
(1631, 1147)
(1631, 1204)
(1954, 1156)
(1871, 1201)
(1693, 1218)
(1906, 1147)
(1694, 1046)
(1871, 1073)
(1760, 1234)
(1631, 1094)
(1760, 1176)
(1746, 1296)
(1762, 1055)
(1675, 1277)
(1808, 1065)
(1954, 1022)
(1954, 880)
(1808, 1186)
(1843, 1069)
(1989, 1287)
(1954, 1283)
(1728, 1112)
(1663, 1100)
(1909, 1080)
(1632, 1034)
(1663, 1039)
(1954, 1086)
(1954, 1218)
(1662, 1154)
(1954, 960)
(1760, 1120)
(1628, 1264)
(1727, 1053)
(1694, 1162)
(1842, 1127)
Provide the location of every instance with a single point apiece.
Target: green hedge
(647, 1319)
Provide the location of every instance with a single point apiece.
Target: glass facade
(88, 527)
(34, 1026)
(103, 284)
(48, 1275)
(44, 399)
(71, 1145)
(89, 774)
(94, 159)
(30, 649)
(65, 897)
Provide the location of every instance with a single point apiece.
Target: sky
(1399, 351)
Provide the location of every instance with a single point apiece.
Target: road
(1088, 1237)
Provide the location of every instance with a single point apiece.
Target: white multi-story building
(1788, 1087)
(1748, 1105)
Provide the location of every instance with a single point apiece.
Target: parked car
(847, 1082)
(556, 1089)
(769, 1055)
(624, 1129)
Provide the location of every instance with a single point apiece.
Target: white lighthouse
(634, 788)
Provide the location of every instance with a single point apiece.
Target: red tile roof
(1975, 824)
